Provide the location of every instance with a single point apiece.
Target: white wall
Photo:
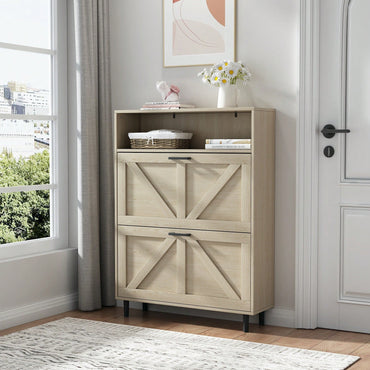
(267, 41)
(37, 286)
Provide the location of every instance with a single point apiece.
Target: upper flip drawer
(184, 190)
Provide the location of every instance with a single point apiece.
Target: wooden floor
(318, 339)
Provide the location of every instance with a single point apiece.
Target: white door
(344, 178)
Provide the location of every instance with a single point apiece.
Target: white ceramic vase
(228, 96)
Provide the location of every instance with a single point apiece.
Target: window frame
(58, 185)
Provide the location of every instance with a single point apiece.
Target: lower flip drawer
(199, 269)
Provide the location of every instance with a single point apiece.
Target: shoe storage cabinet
(195, 227)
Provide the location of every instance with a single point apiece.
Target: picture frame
(198, 32)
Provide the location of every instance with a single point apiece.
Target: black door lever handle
(329, 131)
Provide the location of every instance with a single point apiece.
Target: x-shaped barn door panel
(187, 193)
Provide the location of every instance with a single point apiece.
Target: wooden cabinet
(195, 227)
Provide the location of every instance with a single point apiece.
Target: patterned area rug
(85, 344)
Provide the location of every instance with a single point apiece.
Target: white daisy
(216, 78)
(232, 69)
(224, 80)
(219, 67)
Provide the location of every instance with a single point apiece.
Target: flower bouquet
(226, 73)
(227, 76)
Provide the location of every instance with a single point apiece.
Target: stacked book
(228, 144)
(165, 105)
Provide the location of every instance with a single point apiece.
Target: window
(33, 126)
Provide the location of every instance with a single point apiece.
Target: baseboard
(275, 316)
(39, 310)
(281, 317)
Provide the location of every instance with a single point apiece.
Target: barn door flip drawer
(184, 267)
(184, 190)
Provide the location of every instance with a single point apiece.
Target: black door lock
(329, 151)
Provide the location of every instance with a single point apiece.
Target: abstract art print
(198, 32)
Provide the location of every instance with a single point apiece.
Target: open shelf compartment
(203, 123)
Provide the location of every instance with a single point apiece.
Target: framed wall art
(198, 32)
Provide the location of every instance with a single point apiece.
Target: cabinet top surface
(194, 110)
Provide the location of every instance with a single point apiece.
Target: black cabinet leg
(126, 306)
(145, 307)
(246, 323)
(261, 318)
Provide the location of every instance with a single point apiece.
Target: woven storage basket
(160, 143)
(160, 139)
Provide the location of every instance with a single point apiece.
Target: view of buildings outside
(24, 137)
(24, 160)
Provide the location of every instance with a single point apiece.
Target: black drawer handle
(180, 158)
(178, 234)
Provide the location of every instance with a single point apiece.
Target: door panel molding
(345, 142)
(354, 291)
